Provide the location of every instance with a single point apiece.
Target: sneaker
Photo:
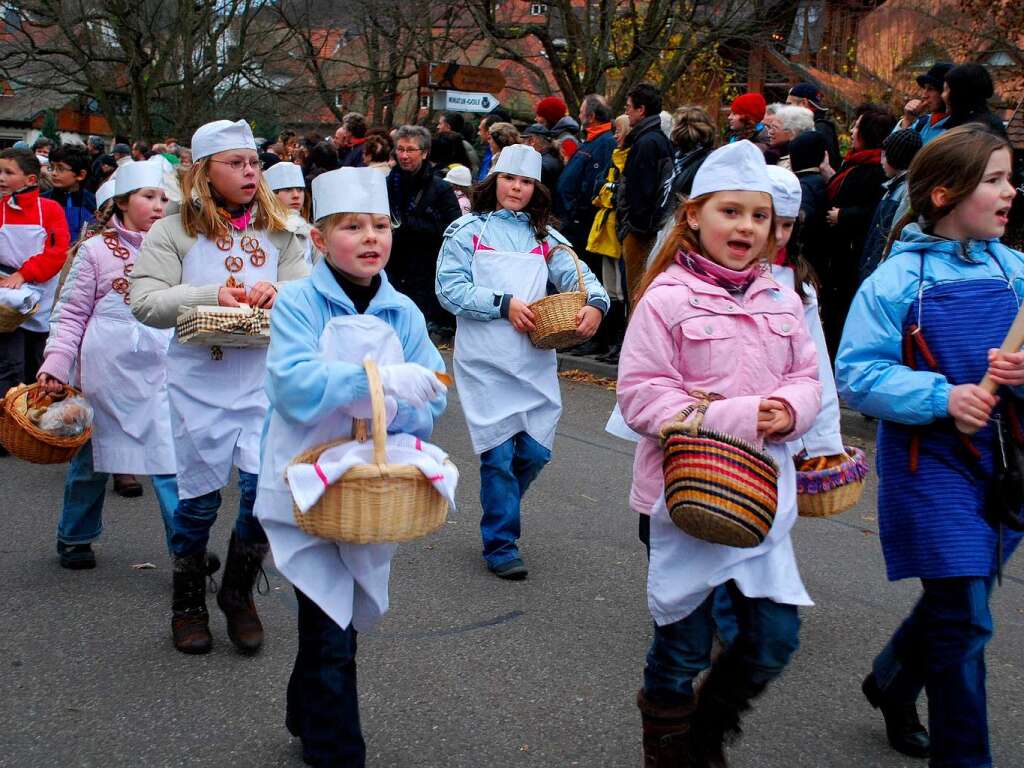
(76, 557)
(513, 570)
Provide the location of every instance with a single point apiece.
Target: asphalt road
(466, 670)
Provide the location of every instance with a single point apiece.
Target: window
(538, 9)
(426, 101)
(999, 59)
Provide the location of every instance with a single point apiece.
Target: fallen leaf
(144, 567)
(582, 377)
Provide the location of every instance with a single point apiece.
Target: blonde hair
(329, 222)
(199, 209)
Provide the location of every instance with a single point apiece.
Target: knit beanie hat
(807, 151)
(552, 109)
(750, 106)
(900, 148)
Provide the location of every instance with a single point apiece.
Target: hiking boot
(244, 565)
(127, 486)
(903, 727)
(668, 737)
(513, 570)
(76, 557)
(190, 621)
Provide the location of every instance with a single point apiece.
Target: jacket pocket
(779, 341)
(710, 341)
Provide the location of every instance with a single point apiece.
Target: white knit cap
(519, 160)
(738, 166)
(459, 176)
(350, 190)
(138, 175)
(786, 193)
(220, 136)
(284, 175)
(105, 192)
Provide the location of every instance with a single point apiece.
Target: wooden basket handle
(576, 261)
(380, 425)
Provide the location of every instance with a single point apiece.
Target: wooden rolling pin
(1012, 343)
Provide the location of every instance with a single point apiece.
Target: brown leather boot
(667, 734)
(244, 564)
(190, 621)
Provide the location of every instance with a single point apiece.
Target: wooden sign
(462, 77)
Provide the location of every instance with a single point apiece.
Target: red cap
(552, 109)
(750, 106)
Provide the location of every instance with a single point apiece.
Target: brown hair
(199, 206)
(693, 128)
(485, 199)
(682, 238)
(504, 134)
(955, 161)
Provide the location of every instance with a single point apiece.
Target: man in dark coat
(648, 164)
(424, 206)
(354, 126)
(808, 96)
(807, 153)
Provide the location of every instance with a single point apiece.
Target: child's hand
(262, 295)
(587, 322)
(774, 418)
(13, 281)
(49, 384)
(832, 217)
(1006, 367)
(521, 316)
(230, 297)
(970, 406)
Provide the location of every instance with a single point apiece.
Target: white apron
(348, 581)
(19, 243)
(218, 406)
(683, 570)
(123, 372)
(506, 385)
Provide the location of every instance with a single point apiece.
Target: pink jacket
(686, 334)
(90, 279)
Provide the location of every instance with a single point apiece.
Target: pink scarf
(731, 280)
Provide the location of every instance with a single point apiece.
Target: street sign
(462, 77)
(460, 101)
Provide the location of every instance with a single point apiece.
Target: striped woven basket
(830, 490)
(718, 488)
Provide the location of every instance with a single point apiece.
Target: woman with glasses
(229, 246)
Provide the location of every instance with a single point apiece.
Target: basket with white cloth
(16, 306)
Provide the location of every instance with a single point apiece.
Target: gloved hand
(411, 382)
(363, 409)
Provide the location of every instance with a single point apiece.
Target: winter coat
(827, 128)
(79, 208)
(580, 180)
(90, 278)
(603, 238)
(550, 169)
(814, 230)
(890, 209)
(23, 208)
(856, 199)
(649, 163)
(686, 334)
(926, 127)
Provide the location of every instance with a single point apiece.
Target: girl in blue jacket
(922, 332)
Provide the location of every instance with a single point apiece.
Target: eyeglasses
(239, 165)
(407, 150)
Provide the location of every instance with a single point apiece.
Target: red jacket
(40, 267)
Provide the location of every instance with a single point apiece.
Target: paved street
(466, 670)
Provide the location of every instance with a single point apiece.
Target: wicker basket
(718, 488)
(833, 490)
(373, 503)
(555, 316)
(10, 319)
(25, 440)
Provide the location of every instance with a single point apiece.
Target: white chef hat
(520, 160)
(459, 176)
(738, 166)
(350, 190)
(220, 136)
(284, 175)
(105, 192)
(786, 193)
(138, 175)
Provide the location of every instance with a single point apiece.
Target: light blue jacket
(503, 231)
(303, 388)
(870, 372)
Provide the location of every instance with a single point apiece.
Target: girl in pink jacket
(711, 318)
(119, 364)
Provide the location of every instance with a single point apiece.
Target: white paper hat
(350, 190)
(520, 160)
(737, 166)
(786, 193)
(284, 175)
(105, 192)
(459, 176)
(220, 136)
(138, 175)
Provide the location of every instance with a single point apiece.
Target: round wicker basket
(10, 319)
(373, 503)
(25, 440)
(555, 316)
(834, 490)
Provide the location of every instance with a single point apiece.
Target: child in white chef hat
(289, 185)
(322, 329)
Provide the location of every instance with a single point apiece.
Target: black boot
(245, 563)
(906, 733)
(668, 736)
(190, 621)
(723, 698)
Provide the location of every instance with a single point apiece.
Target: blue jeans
(768, 637)
(323, 705)
(194, 517)
(81, 519)
(724, 615)
(506, 471)
(940, 647)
